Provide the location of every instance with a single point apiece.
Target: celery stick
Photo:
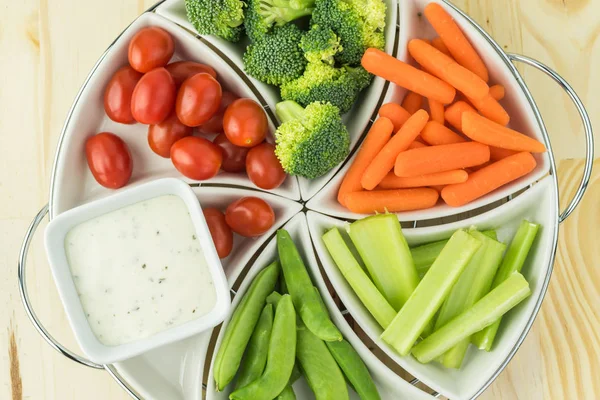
(474, 283)
(513, 261)
(431, 292)
(491, 307)
(366, 291)
(384, 250)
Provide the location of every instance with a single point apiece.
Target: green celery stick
(364, 288)
(513, 261)
(491, 307)
(474, 283)
(383, 248)
(427, 298)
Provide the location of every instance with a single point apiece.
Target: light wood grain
(48, 47)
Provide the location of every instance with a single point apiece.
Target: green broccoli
(323, 82)
(358, 23)
(222, 18)
(276, 58)
(263, 14)
(311, 140)
(320, 44)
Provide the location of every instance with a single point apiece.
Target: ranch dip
(140, 270)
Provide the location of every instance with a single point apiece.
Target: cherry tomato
(162, 136)
(181, 70)
(263, 167)
(245, 123)
(250, 216)
(220, 232)
(196, 158)
(215, 124)
(109, 160)
(234, 157)
(153, 97)
(198, 99)
(117, 95)
(150, 48)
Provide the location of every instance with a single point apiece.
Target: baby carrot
(438, 187)
(416, 145)
(433, 159)
(454, 113)
(379, 134)
(381, 201)
(489, 179)
(497, 92)
(491, 109)
(497, 153)
(436, 134)
(456, 42)
(436, 109)
(395, 113)
(412, 102)
(438, 43)
(384, 161)
(391, 181)
(483, 130)
(445, 68)
(389, 68)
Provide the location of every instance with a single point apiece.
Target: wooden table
(48, 47)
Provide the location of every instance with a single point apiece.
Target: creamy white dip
(140, 270)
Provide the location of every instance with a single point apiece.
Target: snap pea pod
(300, 287)
(354, 369)
(273, 299)
(287, 394)
(280, 357)
(254, 362)
(242, 323)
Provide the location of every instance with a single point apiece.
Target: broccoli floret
(222, 18)
(320, 44)
(263, 14)
(276, 58)
(311, 140)
(358, 23)
(323, 82)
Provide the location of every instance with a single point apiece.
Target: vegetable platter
(308, 208)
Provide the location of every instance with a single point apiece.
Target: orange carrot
(433, 159)
(384, 161)
(380, 201)
(454, 39)
(379, 134)
(489, 179)
(395, 113)
(412, 102)
(497, 153)
(497, 92)
(436, 109)
(439, 188)
(491, 109)
(445, 68)
(438, 43)
(436, 134)
(391, 181)
(482, 130)
(454, 113)
(389, 68)
(416, 144)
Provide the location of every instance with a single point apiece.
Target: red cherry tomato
(196, 158)
(162, 136)
(198, 99)
(215, 124)
(150, 48)
(234, 157)
(245, 123)
(109, 160)
(117, 95)
(250, 216)
(153, 97)
(181, 70)
(263, 167)
(220, 232)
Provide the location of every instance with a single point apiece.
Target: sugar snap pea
(300, 287)
(255, 359)
(287, 394)
(240, 327)
(280, 358)
(273, 299)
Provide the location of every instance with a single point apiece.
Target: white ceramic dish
(55, 237)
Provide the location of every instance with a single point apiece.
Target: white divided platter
(357, 119)
(523, 119)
